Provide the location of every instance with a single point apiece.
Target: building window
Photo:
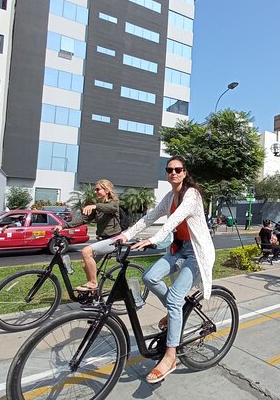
(138, 127)
(177, 77)
(162, 165)
(179, 49)
(141, 32)
(61, 115)
(109, 18)
(152, 5)
(57, 156)
(104, 50)
(3, 4)
(1, 44)
(175, 106)
(180, 21)
(138, 95)
(58, 42)
(63, 80)
(102, 84)
(101, 118)
(69, 10)
(140, 63)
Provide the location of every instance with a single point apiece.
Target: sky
(237, 41)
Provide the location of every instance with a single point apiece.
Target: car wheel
(53, 247)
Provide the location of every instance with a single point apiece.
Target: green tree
(269, 188)
(137, 201)
(81, 198)
(18, 198)
(223, 155)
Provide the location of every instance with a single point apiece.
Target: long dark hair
(188, 181)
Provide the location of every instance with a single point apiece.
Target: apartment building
(6, 27)
(91, 83)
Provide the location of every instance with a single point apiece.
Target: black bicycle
(81, 355)
(29, 297)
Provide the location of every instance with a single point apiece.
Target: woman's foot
(87, 287)
(164, 368)
(163, 323)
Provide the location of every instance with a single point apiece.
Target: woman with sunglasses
(106, 215)
(191, 254)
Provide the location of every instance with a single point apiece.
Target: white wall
(271, 163)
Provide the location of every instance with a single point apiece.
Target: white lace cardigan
(192, 210)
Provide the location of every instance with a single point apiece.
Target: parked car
(61, 211)
(33, 230)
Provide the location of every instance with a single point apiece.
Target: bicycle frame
(121, 292)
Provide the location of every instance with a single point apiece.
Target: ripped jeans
(172, 298)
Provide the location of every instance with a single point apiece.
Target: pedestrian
(269, 239)
(192, 253)
(106, 215)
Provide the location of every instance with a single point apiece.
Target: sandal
(86, 288)
(163, 323)
(156, 376)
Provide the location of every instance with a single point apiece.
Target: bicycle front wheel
(106, 284)
(41, 369)
(26, 301)
(208, 336)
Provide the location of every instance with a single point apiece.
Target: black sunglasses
(178, 170)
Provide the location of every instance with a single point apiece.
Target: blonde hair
(108, 187)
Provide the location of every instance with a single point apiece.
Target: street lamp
(232, 85)
(275, 148)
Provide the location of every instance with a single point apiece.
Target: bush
(242, 258)
(18, 198)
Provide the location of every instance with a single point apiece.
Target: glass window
(56, 7)
(141, 32)
(48, 113)
(177, 77)
(82, 15)
(64, 80)
(71, 158)
(53, 41)
(152, 5)
(44, 155)
(106, 85)
(59, 149)
(69, 10)
(61, 115)
(80, 49)
(133, 126)
(58, 164)
(77, 84)
(175, 106)
(104, 50)
(138, 95)
(140, 63)
(100, 118)
(51, 77)
(180, 21)
(108, 18)
(67, 44)
(74, 118)
(179, 49)
(3, 4)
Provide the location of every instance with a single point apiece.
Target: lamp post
(275, 148)
(232, 85)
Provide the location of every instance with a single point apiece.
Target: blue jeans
(172, 298)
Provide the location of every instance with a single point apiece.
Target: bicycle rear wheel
(41, 371)
(19, 309)
(207, 339)
(106, 284)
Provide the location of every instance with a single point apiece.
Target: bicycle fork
(37, 285)
(92, 333)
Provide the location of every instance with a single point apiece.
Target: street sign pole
(250, 209)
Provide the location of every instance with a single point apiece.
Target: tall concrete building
(91, 83)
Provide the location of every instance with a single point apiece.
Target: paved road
(250, 371)
(24, 257)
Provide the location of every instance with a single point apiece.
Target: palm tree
(81, 198)
(137, 201)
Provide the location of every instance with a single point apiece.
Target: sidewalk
(221, 230)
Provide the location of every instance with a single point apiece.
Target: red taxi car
(34, 230)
